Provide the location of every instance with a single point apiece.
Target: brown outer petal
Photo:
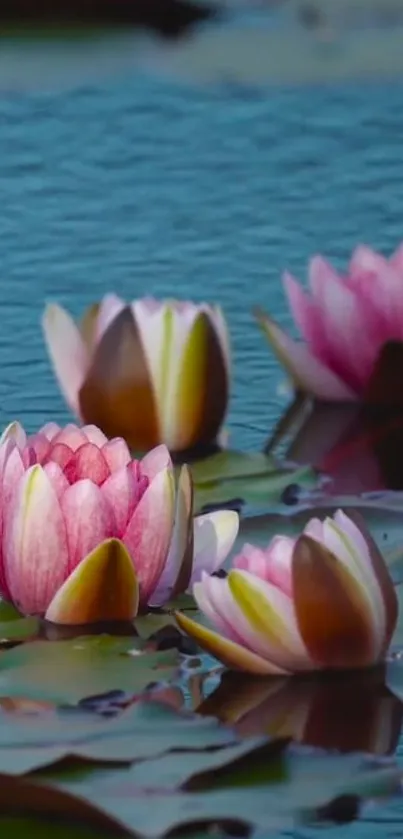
(215, 385)
(333, 617)
(185, 570)
(382, 576)
(117, 393)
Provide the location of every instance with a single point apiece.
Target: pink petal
(11, 471)
(57, 478)
(273, 564)
(116, 454)
(379, 285)
(344, 317)
(121, 490)
(155, 461)
(307, 372)
(366, 261)
(214, 537)
(50, 430)
(87, 462)
(149, 532)
(41, 445)
(279, 571)
(89, 520)
(35, 543)
(307, 316)
(252, 559)
(60, 454)
(67, 352)
(93, 434)
(72, 436)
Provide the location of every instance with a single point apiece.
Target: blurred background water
(149, 186)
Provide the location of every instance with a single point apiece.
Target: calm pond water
(144, 186)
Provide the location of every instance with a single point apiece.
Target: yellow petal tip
(102, 588)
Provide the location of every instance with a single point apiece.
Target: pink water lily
(346, 323)
(150, 371)
(88, 534)
(322, 601)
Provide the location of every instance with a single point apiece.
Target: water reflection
(361, 449)
(348, 712)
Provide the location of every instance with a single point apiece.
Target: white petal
(214, 536)
(164, 331)
(67, 352)
(15, 432)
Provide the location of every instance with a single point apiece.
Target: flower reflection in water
(354, 712)
(360, 449)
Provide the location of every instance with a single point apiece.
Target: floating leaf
(68, 671)
(256, 490)
(145, 729)
(228, 465)
(19, 630)
(8, 612)
(171, 771)
(21, 828)
(309, 782)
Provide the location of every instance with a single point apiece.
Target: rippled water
(150, 186)
(145, 186)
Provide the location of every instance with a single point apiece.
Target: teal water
(150, 187)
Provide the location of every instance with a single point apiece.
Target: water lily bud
(150, 372)
(324, 601)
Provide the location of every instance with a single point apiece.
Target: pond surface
(146, 186)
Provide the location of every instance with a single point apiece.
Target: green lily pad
(8, 612)
(21, 828)
(254, 490)
(145, 729)
(274, 801)
(227, 465)
(19, 630)
(68, 671)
